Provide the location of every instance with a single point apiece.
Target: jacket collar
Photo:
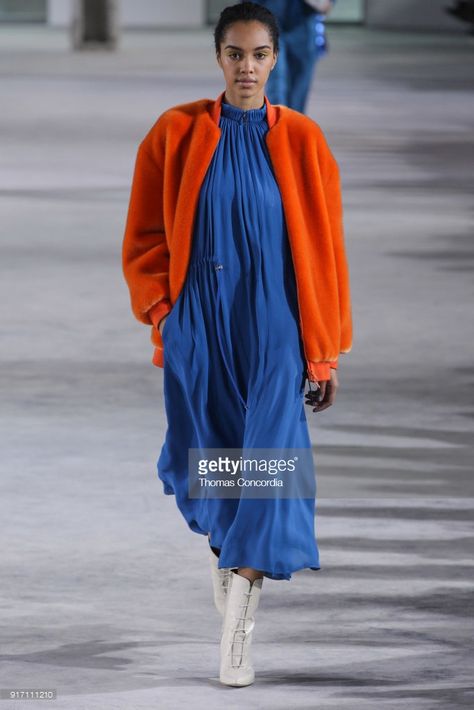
(216, 110)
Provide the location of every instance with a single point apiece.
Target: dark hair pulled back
(246, 11)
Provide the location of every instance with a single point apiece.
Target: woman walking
(234, 253)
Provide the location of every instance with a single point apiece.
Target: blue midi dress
(234, 366)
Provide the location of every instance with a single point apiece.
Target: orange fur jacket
(170, 167)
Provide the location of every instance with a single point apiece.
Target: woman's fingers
(317, 394)
(314, 397)
(325, 395)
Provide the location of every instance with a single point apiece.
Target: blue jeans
(289, 82)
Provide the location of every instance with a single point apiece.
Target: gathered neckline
(240, 115)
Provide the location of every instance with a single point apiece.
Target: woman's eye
(260, 55)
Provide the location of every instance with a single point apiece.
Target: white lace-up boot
(220, 582)
(239, 620)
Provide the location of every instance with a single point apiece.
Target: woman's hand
(326, 394)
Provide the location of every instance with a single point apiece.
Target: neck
(244, 102)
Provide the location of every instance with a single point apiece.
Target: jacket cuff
(322, 370)
(159, 311)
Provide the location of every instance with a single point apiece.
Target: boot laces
(244, 633)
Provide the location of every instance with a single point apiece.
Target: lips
(245, 81)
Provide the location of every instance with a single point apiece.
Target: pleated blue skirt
(234, 367)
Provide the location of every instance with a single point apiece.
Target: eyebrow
(232, 46)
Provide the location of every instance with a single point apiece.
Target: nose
(246, 65)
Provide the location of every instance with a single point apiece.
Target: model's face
(246, 57)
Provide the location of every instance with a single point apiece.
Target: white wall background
(391, 14)
(347, 11)
(343, 10)
(140, 13)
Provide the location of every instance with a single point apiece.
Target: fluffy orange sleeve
(145, 254)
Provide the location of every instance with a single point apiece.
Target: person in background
(302, 42)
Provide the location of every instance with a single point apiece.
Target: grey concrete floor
(105, 593)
